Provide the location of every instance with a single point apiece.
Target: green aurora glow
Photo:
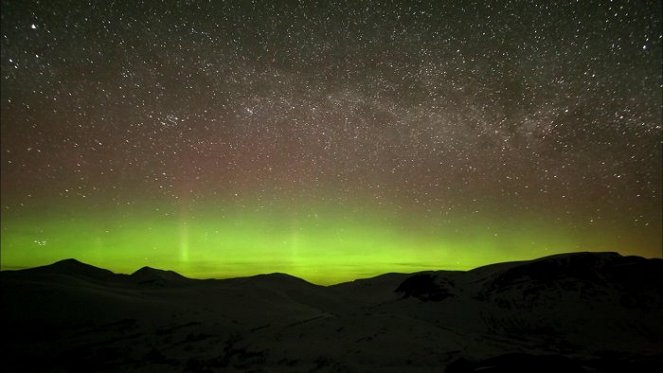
(329, 140)
(320, 243)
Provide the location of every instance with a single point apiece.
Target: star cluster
(441, 134)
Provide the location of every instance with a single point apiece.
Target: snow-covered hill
(580, 312)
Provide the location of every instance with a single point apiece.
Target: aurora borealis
(329, 140)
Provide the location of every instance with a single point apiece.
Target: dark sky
(464, 132)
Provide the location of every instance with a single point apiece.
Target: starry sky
(328, 139)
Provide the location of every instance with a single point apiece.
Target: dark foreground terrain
(582, 312)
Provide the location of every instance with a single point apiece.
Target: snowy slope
(585, 312)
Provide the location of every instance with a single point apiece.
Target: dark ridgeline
(580, 312)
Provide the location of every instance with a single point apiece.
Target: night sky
(330, 140)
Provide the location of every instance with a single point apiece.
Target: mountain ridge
(587, 312)
(74, 266)
(71, 267)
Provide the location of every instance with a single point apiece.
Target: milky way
(332, 139)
